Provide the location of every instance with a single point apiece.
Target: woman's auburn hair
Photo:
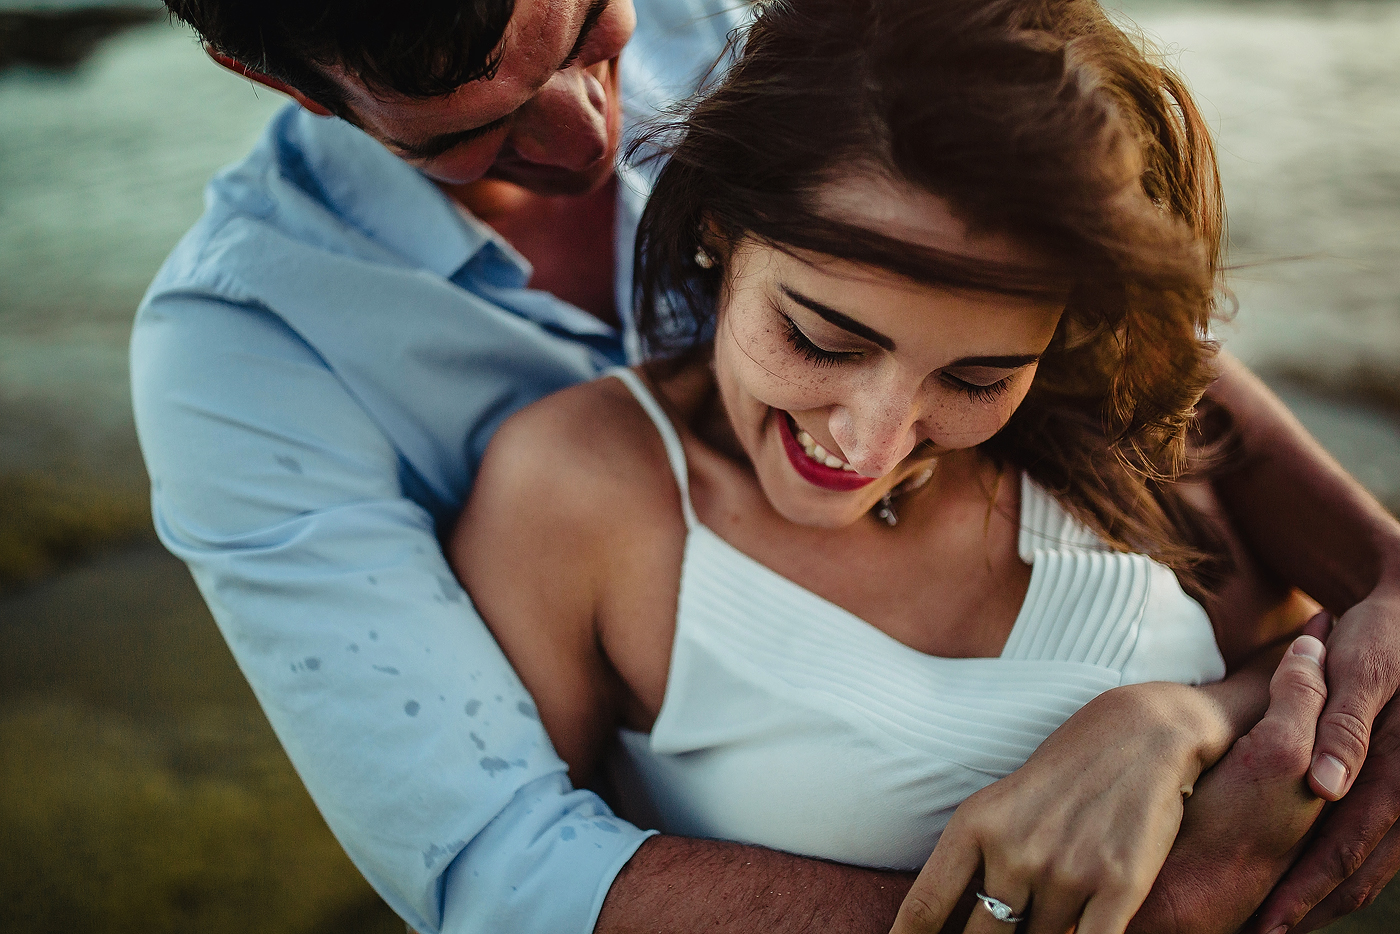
(1038, 119)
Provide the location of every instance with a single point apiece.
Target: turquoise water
(101, 172)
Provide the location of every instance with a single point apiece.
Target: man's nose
(876, 430)
(565, 124)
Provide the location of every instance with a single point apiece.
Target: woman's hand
(1078, 834)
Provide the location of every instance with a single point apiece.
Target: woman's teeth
(820, 454)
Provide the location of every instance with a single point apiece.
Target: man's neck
(568, 239)
(489, 198)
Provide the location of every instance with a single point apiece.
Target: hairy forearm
(1305, 518)
(1213, 889)
(1251, 813)
(676, 884)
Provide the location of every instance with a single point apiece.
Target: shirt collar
(396, 206)
(390, 201)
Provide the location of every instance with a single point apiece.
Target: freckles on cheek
(783, 381)
(966, 424)
(767, 367)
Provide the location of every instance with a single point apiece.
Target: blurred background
(140, 787)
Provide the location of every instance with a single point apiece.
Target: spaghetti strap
(675, 451)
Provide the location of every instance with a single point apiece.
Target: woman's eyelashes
(809, 350)
(820, 356)
(979, 392)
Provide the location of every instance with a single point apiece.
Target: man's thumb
(1298, 690)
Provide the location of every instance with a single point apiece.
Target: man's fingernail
(1329, 772)
(1281, 929)
(1309, 647)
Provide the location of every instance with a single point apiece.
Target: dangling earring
(702, 259)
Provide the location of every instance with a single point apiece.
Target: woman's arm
(1079, 834)
(1082, 830)
(527, 550)
(1250, 816)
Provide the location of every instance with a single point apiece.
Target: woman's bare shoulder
(586, 455)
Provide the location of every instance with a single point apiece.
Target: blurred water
(1305, 101)
(100, 174)
(101, 171)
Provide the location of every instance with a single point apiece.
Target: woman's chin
(835, 512)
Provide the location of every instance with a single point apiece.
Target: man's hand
(1356, 759)
(1249, 815)
(1315, 528)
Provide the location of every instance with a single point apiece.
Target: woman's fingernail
(1329, 772)
(1281, 929)
(1309, 647)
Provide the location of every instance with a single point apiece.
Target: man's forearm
(1315, 528)
(1303, 516)
(1250, 814)
(676, 884)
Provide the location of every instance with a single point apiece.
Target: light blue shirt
(316, 371)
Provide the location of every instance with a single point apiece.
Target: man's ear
(267, 81)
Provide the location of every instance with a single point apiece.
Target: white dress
(791, 723)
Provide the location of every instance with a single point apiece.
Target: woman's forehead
(872, 200)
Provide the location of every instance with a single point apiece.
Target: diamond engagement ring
(999, 909)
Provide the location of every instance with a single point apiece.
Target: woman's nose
(565, 125)
(877, 432)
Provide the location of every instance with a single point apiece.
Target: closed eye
(590, 19)
(441, 144)
(813, 353)
(979, 392)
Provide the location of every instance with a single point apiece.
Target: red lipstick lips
(828, 478)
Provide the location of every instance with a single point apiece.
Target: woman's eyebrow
(844, 322)
(1003, 362)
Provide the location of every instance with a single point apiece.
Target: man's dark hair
(416, 48)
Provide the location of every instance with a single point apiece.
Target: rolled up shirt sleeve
(413, 735)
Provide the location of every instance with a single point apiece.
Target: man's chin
(551, 182)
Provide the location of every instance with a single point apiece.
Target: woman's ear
(712, 242)
(267, 81)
